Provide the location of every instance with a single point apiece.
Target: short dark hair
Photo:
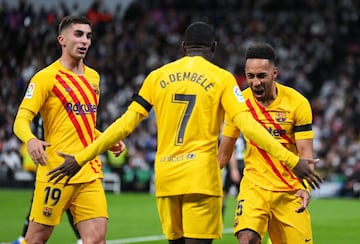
(68, 20)
(261, 50)
(199, 34)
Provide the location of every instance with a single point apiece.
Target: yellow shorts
(192, 216)
(258, 208)
(86, 201)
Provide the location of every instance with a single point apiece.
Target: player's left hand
(118, 148)
(304, 172)
(69, 168)
(305, 200)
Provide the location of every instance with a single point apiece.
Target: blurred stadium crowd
(318, 45)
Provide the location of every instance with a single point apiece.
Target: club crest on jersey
(96, 89)
(280, 116)
(30, 90)
(47, 211)
(238, 94)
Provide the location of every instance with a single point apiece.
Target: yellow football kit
(189, 97)
(68, 106)
(287, 119)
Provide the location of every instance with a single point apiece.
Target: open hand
(69, 168)
(303, 171)
(305, 200)
(36, 149)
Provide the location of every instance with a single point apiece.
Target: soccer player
(189, 97)
(271, 197)
(66, 94)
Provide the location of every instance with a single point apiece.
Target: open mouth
(82, 50)
(259, 93)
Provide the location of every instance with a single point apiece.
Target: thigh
(202, 217)
(170, 214)
(38, 233)
(93, 230)
(253, 209)
(89, 202)
(286, 225)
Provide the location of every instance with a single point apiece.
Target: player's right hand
(304, 172)
(36, 149)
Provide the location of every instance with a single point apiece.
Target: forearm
(22, 123)
(259, 135)
(233, 162)
(305, 149)
(117, 131)
(226, 149)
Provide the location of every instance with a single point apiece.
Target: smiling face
(260, 76)
(75, 40)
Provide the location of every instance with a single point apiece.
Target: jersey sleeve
(22, 125)
(36, 92)
(232, 99)
(117, 131)
(303, 122)
(230, 129)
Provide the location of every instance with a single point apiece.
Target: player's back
(186, 96)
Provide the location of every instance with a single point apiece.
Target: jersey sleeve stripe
(302, 128)
(140, 100)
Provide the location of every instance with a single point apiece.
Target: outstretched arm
(116, 149)
(117, 131)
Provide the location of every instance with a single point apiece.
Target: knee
(248, 237)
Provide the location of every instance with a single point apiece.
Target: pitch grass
(335, 221)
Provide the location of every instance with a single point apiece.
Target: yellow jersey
(68, 105)
(287, 119)
(188, 96)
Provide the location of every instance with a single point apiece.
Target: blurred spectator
(10, 158)
(354, 177)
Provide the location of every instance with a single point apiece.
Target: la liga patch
(30, 90)
(238, 94)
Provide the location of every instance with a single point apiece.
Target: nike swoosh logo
(307, 240)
